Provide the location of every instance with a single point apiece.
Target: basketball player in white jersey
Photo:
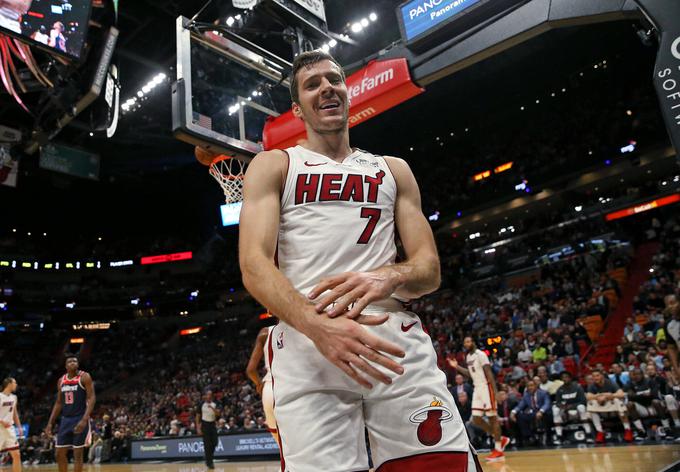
(11, 12)
(263, 385)
(483, 396)
(9, 417)
(328, 214)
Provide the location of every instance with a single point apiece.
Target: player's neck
(6, 392)
(335, 146)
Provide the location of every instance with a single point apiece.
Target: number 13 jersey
(335, 216)
(73, 396)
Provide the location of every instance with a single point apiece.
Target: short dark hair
(7, 381)
(70, 355)
(306, 59)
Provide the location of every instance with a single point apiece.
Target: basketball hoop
(227, 171)
(229, 174)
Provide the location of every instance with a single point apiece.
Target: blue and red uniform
(73, 407)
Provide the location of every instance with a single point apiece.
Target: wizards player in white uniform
(483, 396)
(74, 404)
(263, 385)
(9, 418)
(328, 215)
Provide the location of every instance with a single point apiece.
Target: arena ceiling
(150, 182)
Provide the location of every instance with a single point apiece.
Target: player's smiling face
(322, 98)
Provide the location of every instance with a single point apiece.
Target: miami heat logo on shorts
(279, 341)
(429, 421)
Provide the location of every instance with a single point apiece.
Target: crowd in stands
(535, 326)
(640, 387)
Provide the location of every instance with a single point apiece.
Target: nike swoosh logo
(406, 328)
(314, 164)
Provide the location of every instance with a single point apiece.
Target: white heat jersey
(335, 217)
(475, 364)
(8, 404)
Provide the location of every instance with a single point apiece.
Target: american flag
(203, 121)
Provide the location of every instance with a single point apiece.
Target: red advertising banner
(372, 90)
(178, 256)
(643, 207)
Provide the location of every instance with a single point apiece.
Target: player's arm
(86, 379)
(255, 358)
(418, 275)
(56, 410)
(620, 394)
(343, 342)
(490, 378)
(460, 369)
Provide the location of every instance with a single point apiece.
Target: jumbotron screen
(57, 25)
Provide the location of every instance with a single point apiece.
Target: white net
(229, 174)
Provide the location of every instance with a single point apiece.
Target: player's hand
(354, 288)
(21, 431)
(352, 349)
(198, 431)
(452, 362)
(80, 427)
(48, 431)
(539, 415)
(259, 387)
(513, 417)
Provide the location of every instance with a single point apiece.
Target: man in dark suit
(461, 386)
(506, 404)
(531, 412)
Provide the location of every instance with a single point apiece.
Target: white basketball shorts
(412, 424)
(8, 439)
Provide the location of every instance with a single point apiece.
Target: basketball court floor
(592, 459)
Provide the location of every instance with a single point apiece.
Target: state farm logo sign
(369, 83)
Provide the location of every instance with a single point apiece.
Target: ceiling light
(356, 27)
(373, 16)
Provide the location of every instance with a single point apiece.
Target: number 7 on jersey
(373, 215)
